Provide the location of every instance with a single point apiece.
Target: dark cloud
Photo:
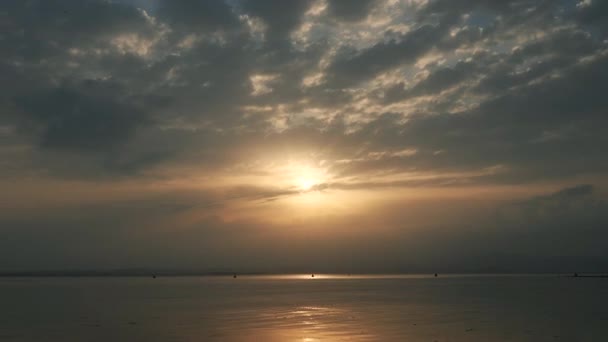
(80, 119)
(282, 17)
(575, 191)
(39, 30)
(559, 113)
(198, 16)
(552, 233)
(559, 232)
(436, 82)
(568, 222)
(350, 68)
(42, 94)
(473, 94)
(350, 10)
(510, 8)
(593, 13)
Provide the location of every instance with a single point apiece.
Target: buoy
(234, 276)
(313, 275)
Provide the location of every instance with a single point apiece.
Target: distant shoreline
(145, 273)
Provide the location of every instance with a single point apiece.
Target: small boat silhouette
(312, 275)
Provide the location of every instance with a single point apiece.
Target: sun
(305, 184)
(301, 177)
(306, 177)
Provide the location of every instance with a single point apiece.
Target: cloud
(350, 10)
(80, 119)
(188, 67)
(592, 13)
(565, 223)
(198, 16)
(561, 231)
(349, 68)
(382, 97)
(280, 16)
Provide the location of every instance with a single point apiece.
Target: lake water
(298, 308)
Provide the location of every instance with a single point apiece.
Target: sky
(304, 135)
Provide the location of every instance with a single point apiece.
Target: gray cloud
(205, 83)
(80, 119)
(281, 17)
(558, 232)
(592, 14)
(198, 16)
(350, 10)
(351, 68)
(376, 94)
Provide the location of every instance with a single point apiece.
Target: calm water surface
(298, 308)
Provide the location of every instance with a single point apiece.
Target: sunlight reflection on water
(302, 323)
(338, 276)
(453, 308)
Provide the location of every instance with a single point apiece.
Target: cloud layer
(244, 101)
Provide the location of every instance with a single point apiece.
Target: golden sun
(306, 184)
(305, 177)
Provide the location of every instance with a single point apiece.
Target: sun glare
(301, 177)
(306, 177)
(307, 183)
